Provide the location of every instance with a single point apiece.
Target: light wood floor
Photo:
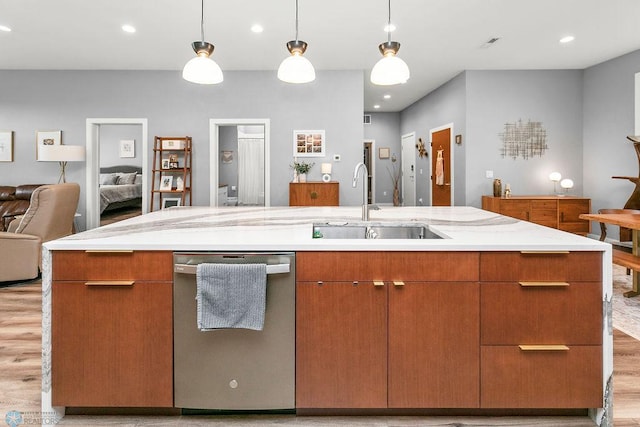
(20, 382)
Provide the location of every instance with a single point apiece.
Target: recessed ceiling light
(389, 28)
(567, 39)
(387, 96)
(376, 106)
(5, 29)
(257, 28)
(128, 28)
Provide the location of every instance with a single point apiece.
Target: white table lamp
(325, 169)
(61, 154)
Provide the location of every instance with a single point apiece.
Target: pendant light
(390, 70)
(296, 68)
(202, 69)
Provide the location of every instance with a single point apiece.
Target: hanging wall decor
(523, 140)
(422, 151)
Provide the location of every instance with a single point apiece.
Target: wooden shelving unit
(171, 166)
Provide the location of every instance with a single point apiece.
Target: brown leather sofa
(14, 201)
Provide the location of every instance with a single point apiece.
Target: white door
(408, 169)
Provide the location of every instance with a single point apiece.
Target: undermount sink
(373, 231)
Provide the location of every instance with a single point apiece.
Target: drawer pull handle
(543, 284)
(398, 283)
(378, 283)
(106, 251)
(545, 252)
(544, 347)
(110, 283)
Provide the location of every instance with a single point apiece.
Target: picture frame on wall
(6, 146)
(384, 152)
(309, 143)
(127, 148)
(169, 202)
(47, 137)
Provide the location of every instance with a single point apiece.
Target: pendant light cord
(388, 24)
(202, 20)
(296, 20)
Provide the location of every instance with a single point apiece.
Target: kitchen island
(487, 259)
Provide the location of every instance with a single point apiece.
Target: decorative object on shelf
(49, 137)
(308, 143)
(458, 139)
(296, 68)
(497, 188)
(325, 169)
(62, 154)
(202, 69)
(507, 191)
(127, 148)
(169, 202)
(6, 146)
(300, 170)
(166, 182)
(384, 152)
(390, 70)
(634, 200)
(165, 163)
(555, 177)
(566, 184)
(395, 181)
(179, 183)
(523, 140)
(422, 151)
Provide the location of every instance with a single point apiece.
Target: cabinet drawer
(408, 266)
(515, 208)
(513, 378)
(517, 266)
(132, 265)
(514, 314)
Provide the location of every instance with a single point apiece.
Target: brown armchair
(50, 216)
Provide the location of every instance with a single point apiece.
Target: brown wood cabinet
(351, 354)
(112, 331)
(561, 212)
(314, 194)
(541, 330)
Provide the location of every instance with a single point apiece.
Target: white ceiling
(439, 38)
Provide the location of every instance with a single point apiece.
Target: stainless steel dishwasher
(235, 369)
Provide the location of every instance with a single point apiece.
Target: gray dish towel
(231, 296)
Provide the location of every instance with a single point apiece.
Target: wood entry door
(441, 167)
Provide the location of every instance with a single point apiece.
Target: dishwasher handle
(191, 268)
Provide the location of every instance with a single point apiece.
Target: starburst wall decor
(523, 140)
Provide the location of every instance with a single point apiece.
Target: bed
(120, 187)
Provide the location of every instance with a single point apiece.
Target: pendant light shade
(296, 68)
(202, 69)
(390, 70)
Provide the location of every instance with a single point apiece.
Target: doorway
(408, 169)
(239, 162)
(93, 130)
(370, 163)
(441, 166)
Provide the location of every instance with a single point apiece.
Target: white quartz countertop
(291, 229)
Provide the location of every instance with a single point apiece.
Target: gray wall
(385, 131)
(48, 100)
(110, 136)
(498, 97)
(608, 118)
(442, 106)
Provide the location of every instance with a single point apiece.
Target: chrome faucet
(365, 188)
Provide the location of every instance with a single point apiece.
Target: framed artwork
(166, 183)
(165, 163)
(47, 137)
(308, 143)
(170, 202)
(127, 148)
(384, 152)
(6, 146)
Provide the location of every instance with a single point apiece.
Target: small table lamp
(325, 169)
(567, 184)
(61, 154)
(555, 177)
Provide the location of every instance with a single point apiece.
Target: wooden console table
(314, 194)
(625, 259)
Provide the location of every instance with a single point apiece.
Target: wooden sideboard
(561, 212)
(314, 194)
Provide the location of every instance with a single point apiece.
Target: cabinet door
(112, 345)
(515, 208)
(570, 211)
(341, 345)
(434, 345)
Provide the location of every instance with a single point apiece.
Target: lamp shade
(566, 183)
(555, 176)
(296, 69)
(61, 153)
(390, 70)
(325, 168)
(202, 70)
